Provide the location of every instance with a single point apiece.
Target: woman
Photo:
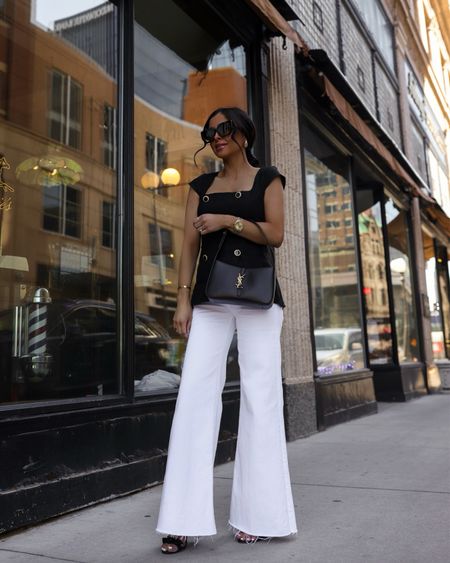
(261, 502)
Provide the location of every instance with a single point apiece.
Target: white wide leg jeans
(261, 499)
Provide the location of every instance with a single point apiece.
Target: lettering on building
(84, 17)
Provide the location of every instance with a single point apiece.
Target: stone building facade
(392, 57)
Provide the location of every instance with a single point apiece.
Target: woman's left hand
(210, 222)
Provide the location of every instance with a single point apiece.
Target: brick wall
(320, 29)
(358, 60)
(298, 369)
(388, 104)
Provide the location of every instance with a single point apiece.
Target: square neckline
(230, 192)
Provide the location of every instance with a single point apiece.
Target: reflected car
(379, 337)
(81, 345)
(338, 349)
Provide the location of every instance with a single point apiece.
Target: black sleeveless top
(236, 250)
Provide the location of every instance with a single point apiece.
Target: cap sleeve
(201, 184)
(270, 173)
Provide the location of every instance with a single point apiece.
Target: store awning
(428, 246)
(431, 208)
(398, 237)
(276, 22)
(439, 218)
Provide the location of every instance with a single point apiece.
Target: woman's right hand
(183, 318)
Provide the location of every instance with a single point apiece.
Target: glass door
(444, 294)
(374, 276)
(398, 235)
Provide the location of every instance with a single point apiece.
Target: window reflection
(402, 286)
(57, 229)
(109, 224)
(435, 312)
(110, 136)
(374, 278)
(444, 294)
(179, 81)
(337, 322)
(438, 296)
(65, 109)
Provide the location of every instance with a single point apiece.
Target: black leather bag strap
(260, 230)
(270, 249)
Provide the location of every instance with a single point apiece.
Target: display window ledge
(353, 375)
(19, 417)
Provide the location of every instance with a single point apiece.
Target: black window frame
(156, 152)
(167, 246)
(109, 142)
(63, 204)
(64, 117)
(112, 217)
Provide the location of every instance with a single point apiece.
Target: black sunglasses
(223, 130)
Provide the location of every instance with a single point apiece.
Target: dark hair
(243, 123)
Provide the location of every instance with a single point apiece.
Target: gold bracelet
(184, 287)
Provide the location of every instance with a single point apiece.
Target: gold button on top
(237, 252)
(205, 257)
(205, 198)
(238, 195)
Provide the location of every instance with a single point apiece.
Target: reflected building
(72, 228)
(337, 249)
(55, 140)
(375, 289)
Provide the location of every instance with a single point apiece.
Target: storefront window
(57, 202)
(374, 282)
(332, 257)
(444, 293)
(182, 73)
(402, 284)
(435, 312)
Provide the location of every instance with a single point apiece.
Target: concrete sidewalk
(372, 490)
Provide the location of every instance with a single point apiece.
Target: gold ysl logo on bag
(240, 280)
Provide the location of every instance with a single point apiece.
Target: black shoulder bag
(236, 285)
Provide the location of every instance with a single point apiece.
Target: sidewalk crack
(371, 488)
(41, 555)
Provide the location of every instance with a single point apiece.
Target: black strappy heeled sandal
(177, 541)
(243, 537)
